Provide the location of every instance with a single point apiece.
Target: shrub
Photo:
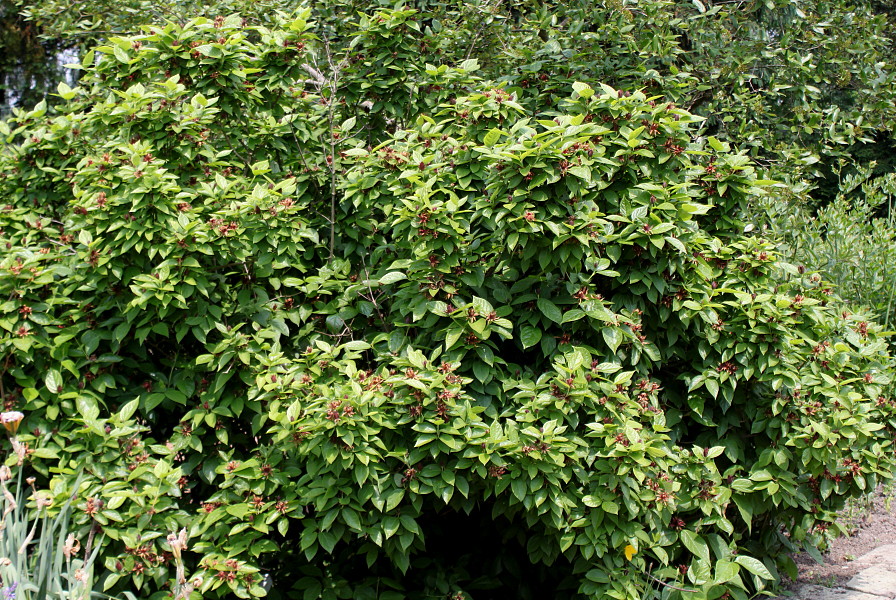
(851, 240)
(335, 343)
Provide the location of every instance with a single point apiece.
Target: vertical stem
(332, 188)
(2, 373)
(332, 83)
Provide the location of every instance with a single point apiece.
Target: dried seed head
(71, 547)
(178, 542)
(18, 448)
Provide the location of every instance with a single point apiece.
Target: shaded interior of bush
(488, 556)
(481, 555)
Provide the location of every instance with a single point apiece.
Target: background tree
(29, 68)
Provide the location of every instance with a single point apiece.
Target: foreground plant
(38, 557)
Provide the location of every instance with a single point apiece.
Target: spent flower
(11, 421)
(71, 547)
(178, 542)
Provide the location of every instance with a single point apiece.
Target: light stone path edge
(877, 581)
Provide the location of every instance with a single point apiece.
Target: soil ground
(871, 523)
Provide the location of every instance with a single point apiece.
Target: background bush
(345, 312)
(851, 241)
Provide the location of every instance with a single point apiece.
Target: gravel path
(861, 566)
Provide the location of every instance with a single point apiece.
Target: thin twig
(481, 27)
(332, 83)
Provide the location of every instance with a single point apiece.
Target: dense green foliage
(806, 86)
(346, 302)
(798, 82)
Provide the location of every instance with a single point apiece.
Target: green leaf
(121, 55)
(53, 381)
(742, 485)
(573, 315)
(715, 143)
(583, 173)
(356, 152)
(65, 92)
(390, 526)
(260, 168)
(453, 334)
(91, 341)
(470, 65)
(356, 345)
(128, 410)
(529, 336)
(238, 510)
(676, 243)
(87, 408)
(583, 89)
(695, 544)
(492, 137)
(519, 488)
(754, 566)
(550, 310)
(392, 277)
(612, 336)
(351, 518)
(814, 553)
(280, 326)
(394, 499)
(725, 571)
(482, 372)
